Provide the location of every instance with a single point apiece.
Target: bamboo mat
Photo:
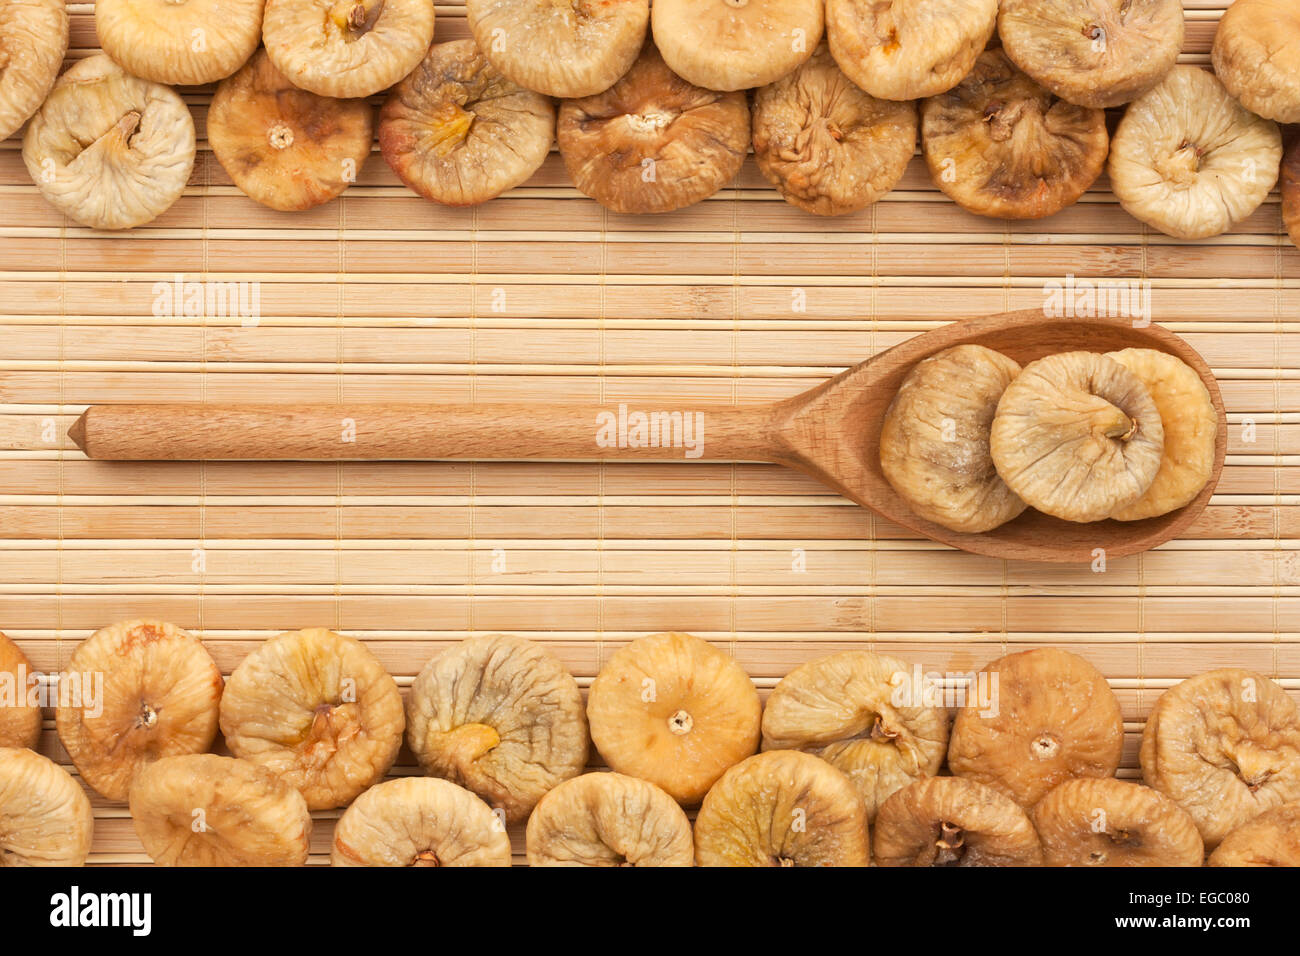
(542, 294)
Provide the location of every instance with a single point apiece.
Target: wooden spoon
(831, 432)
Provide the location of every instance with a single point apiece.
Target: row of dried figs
(971, 439)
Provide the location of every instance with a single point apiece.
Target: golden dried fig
(1257, 56)
(284, 147)
(1078, 436)
(953, 821)
(782, 808)
(419, 821)
(205, 810)
(653, 142)
(45, 818)
(133, 693)
(346, 48)
(1189, 160)
(1095, 53)
(108, 149)
(20, 711)
(1291, 192)
(1225, 746)
(674, 710)
(500, 716)
(561, 49)
(849, 709)
(1053, 717)
(33, 41)
(608, 819)
(458, 132)
(180, 42)
(934, 443)
(317, 710)
(826, 146)
(1270, 839)
(1109, 822)
(908, 49)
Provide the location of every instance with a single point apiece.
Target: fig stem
(681, 723)
(280, 136)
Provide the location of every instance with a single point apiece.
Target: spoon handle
(361, 431)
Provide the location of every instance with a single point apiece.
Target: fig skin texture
(674, 710)
(934, 444)
(608, 819)
(653, 142)
(782, 808)
(1109, 822)
(161, 692)
(319, 711)
(1225, 746)
(284, 147)
(205, 810)
(1055, 718)
(908, 49)
(953, 821)
(1000, 145)
(33, 42)
(157, 39)
(45, 817)
(826, 146)
(1291, 192)
(560, 49)
(459, 133)
(419, 821)
(844, 709)
(1270, 839)
(1095, 53)
(500, 716)
(1257, 56)
(20, 724)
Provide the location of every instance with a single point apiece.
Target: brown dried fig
(1109, 822)
(179, 42)
(33, 42)
(953, 821)
(1270, 839)
(20, 712)
(1257, 56)
(45, 818)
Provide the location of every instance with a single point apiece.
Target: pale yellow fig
(1107, 822)
(1270, 839)
(180, 42)
(20, 712)
(45, 818)
(953, 821)
(33, 42)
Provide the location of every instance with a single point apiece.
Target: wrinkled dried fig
(653, 142)
(1109, 822)
(45, 818)
(1078, 436)
(108, 149)
(458, 132)
(608, 819)
(1291, 192)
(500, 716)
(782, 808)
(133, 693)
(1257, 56)
(1225, 746)
(953, 821)
(1270, 839)
(317, 710)
(419, 821)
(674, 710)
(179, 42)
(20, 712)
(33, 41)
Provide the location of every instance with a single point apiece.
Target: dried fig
(674, 710)
(1189, 160)
(1225, 746)
(653, 142)
(735, 44)
(934, 443)
(419, 821)
(500, 716)
(1000, 145)
(1109, 822)
(908, 49)
(285, 147)
(563, 49)
(1270, 839)
(317, 710)
(846, 709)
(33, 41)
(180, 42)
(1257, 56)
(826, 146)
(108, 149)
(1291, 192)
(133, 693)
(1054, 717)
(1190, 421)
(953, 821)
(782, 808)
(346, 48)
(1078, 436)
(458, 132)
(45, 818)
(1096, 53)
(205, 810)
(20, 712)
(607, 819)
